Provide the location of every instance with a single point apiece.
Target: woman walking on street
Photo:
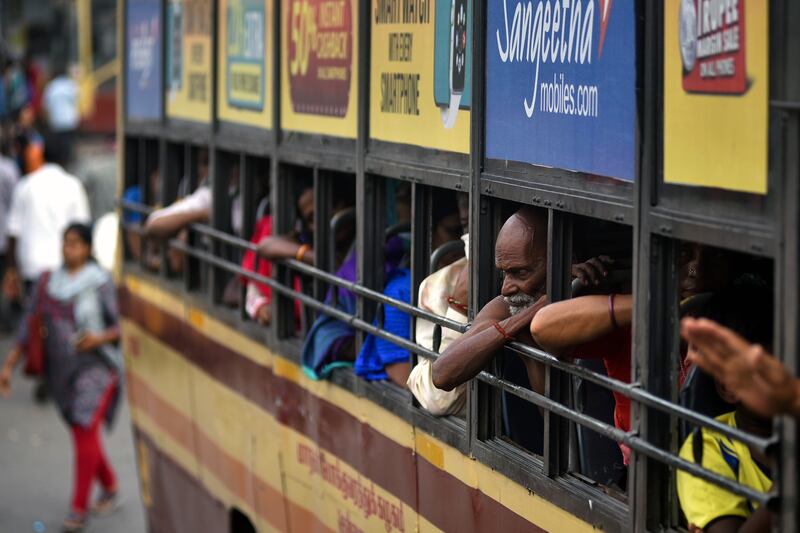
(83, 366)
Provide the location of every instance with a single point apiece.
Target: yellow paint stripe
(470, 472)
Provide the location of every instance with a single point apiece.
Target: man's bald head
(521, 254)
(527, 227)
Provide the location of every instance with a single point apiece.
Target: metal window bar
(629, 389)
(603, 428)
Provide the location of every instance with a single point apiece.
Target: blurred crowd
(43, 186)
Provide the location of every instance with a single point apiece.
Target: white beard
(518, 303)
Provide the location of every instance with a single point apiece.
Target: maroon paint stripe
(375, 456)
(451, 505)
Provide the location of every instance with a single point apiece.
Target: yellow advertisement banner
(244, 59)
(319, 67)
(716, 92)
(189, 60)
(420, 73)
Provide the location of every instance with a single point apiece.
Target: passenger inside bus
(132, 222)
(383, 360)
(330, 343)
(299, 243)
(190, 209)
(747, 311)
(521, 255)
(445, 292)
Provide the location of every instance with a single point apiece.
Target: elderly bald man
(521, 255)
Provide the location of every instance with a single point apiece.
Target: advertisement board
(561, 84)
(319, 67)
(143, 60)
(244, 33)
(421, 73)
(189, 60)
(716, 92)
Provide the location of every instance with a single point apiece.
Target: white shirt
(44, 203)
(433, 293)
(61, 102)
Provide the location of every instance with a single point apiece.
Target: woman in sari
(78, 310)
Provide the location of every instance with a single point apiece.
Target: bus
(662, 134)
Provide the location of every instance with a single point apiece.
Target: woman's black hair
(746, 309)
(83, 231)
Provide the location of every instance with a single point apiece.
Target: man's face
(704, 269)
(305, 205)
(524, 268)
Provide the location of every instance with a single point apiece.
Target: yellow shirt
(701, 501)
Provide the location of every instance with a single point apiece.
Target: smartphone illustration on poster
(452, 58)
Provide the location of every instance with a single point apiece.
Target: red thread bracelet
(505, 335)
(611, 312)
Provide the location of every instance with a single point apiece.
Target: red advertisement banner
(712, 41)
(320, 56)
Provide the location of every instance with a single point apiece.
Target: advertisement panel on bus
(143, 60)
(716, 91)
(561, 84)
(319, 67)
(244, 94)
(189, 60)
(421, 73)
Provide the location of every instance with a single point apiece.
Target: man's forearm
(470, 353)
(570, 323)
(163, 227)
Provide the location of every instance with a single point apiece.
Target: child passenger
(708, 507)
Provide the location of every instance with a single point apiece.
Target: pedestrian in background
(61, 105)
(83, 365)
(43, 204)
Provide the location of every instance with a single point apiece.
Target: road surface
(36, 466)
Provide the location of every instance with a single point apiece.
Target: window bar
(557, 439)
(608, 430)
(632, 390)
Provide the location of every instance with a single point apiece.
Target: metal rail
(577, 417)
(631, 390)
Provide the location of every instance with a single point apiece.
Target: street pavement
(36, 466)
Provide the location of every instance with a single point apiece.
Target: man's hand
(760, 381)
(264, 315)
(593, 271)
(12, 287)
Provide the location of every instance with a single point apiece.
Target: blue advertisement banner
(143, 60)
(561, 84)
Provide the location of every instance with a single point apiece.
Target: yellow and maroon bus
(648, 131)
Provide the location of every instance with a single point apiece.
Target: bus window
(292, 237)
(734, 291)
(330, 343)
(441, 286)
(257, 222)
(228, 218)
(601, 274)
